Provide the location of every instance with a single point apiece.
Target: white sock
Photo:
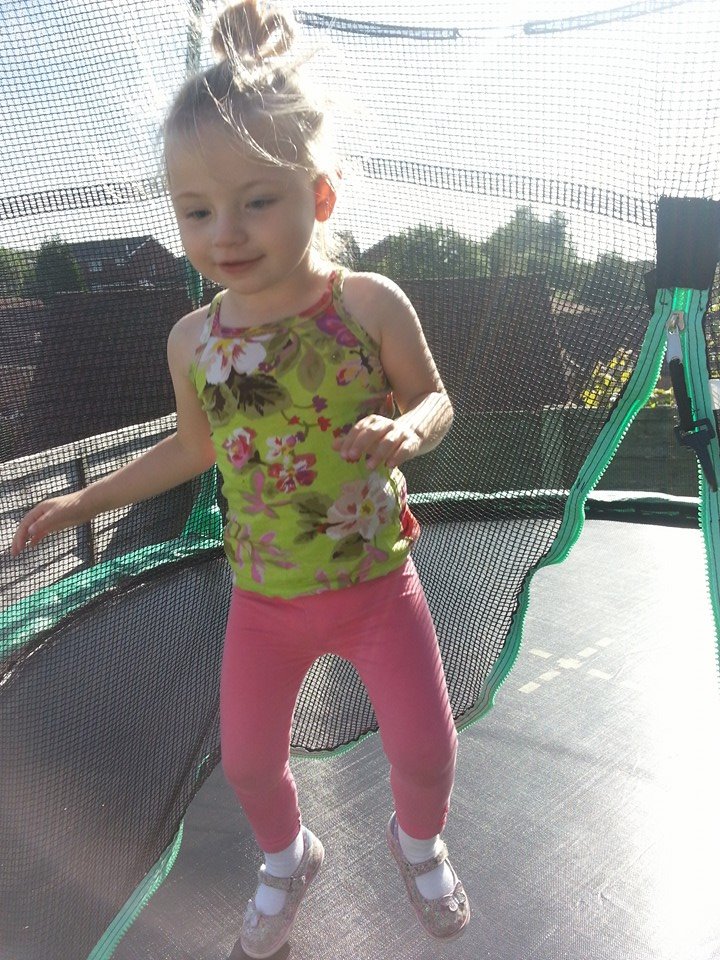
(269, 900)
(438, 882)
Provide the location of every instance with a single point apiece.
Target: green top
(301, 519)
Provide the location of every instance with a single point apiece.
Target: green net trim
(633, 398)
(31, 617)
(697, 374)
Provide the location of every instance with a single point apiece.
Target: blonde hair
(258, 89)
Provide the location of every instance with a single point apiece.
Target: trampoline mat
(472, 574)
(583, 821)
(110, 720)
(78, 824)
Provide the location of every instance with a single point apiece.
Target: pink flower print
(374, 555)
(255, 501)
(363, 571)
(324, 580)
(409, 524)
(363, 507)
(239, 446)
(361, 574)
(281, 448)
(335, 328)
(293, 472)
(259, 552)
(355, 369)
(343, 578)
(221, 355)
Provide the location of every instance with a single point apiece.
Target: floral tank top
(301, 519)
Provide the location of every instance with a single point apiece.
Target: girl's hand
(48, 517)
(381, 440)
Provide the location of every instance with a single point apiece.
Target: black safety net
(506, 172)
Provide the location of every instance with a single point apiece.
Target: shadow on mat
(239, 954)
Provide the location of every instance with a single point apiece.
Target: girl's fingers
(33, 527)
(384, 450)
(376, 438)
(25, 533)
(20, 540)
(363, 437)
(358, 445)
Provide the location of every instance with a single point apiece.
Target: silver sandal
(443, 918)
(262, 936)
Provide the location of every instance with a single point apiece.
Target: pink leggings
(383, 627)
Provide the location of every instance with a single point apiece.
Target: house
(493, 340)
(82, 364)
(19, 351)
(128, 262)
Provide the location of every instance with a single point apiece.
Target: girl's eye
(261, 203)
(196, 214)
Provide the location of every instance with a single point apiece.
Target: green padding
(633, 398)
(129, 912)
(105, 947)
(698, 381)
(43, 609)
(625, 505)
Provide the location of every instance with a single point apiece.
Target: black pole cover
(688, 242)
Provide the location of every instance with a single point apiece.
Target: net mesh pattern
(505, 174)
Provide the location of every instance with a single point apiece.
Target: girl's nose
(229, 230)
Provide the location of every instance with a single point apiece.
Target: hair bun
(243, 32)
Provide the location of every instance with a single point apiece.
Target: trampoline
(583, 815)
(545, 189)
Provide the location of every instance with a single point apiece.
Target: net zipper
(635, 396)
(687, 333)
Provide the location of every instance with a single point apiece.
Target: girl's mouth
(238, 266)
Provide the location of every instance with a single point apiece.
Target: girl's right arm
(177, 458)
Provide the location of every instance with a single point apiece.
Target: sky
(628, 109)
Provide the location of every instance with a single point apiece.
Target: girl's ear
(325, 197)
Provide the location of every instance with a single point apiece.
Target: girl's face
(245, 224)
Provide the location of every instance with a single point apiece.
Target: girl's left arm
(425, 409)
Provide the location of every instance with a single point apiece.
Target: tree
(425, 252)
(15, 267)
(526, 245)
(56, 271)
(344, 248)
(611, 278)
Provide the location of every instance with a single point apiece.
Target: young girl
(289, 381)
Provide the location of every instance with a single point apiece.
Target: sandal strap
(418, 869)
(280, 883)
